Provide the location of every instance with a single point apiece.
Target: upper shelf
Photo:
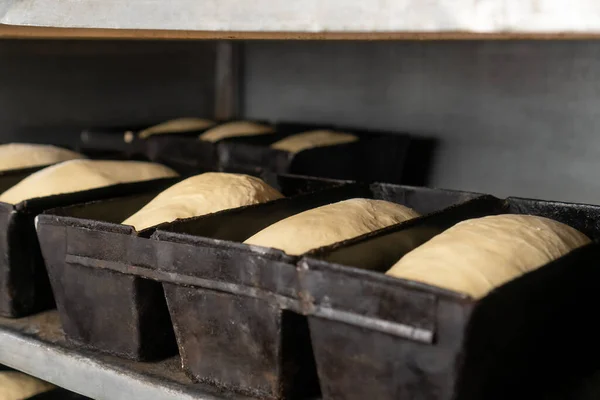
(314, 19)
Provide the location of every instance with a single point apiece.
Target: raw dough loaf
(22, 155)
(78, 175)
(175, 126)
(330, 224)
(311, 139)
(200, 195)
(477, 255)
(16, 386)
(235, 129)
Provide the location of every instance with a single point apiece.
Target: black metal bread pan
(92, 258)
(386, 154)
(185, 152)
(114, 142)
(24, 287)
(89, 317)
(236, 308)
(386, 338)
(124, 141)
(181, 151)
(375, 157)
(16, 292)
(420, 159)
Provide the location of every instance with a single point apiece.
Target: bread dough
(17, 386)
(477, 255)
(330, 224)
(311, 139)
(78, 175)
(202, 194)
(179, 125)
(235, 129)
(23, 155)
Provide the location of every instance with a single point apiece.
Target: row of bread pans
(382, 155)
(259, 322)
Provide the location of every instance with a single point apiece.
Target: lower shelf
(36, 346)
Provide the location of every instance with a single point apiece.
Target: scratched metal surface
(36, 345)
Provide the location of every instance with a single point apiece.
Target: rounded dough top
(477, 255)
(311, 139)
(23, 155)
(176, 126)
(330, 224)
(78, 175)
(16, 386)
(202, 194)
(235, 129)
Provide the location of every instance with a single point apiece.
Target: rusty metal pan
(375, 157)
(236, 308)
(186, 153)
(93, 259)
(24, 287)
(416, 341)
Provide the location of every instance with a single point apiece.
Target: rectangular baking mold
(118, 312)
(238, 309)
(24, 287)
(381, 337)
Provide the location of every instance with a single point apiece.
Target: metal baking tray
(237, 309)
(116, 311)
(181, 151)
(376, 157)
(24, 287)
(186, 153)
(115, 142)
(381, 337)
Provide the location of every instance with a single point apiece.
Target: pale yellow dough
(235, 129)
(330, 224)
(23, 155)
(311, 139)
(477, 255)
(77, 175)
(179, 125)
(17, 386)
(202, 194)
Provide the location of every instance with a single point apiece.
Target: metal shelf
(36, 345)
(310, 19)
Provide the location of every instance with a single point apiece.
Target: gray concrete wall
(512, 118)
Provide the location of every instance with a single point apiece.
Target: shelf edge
(83, 375)
(27, 32)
